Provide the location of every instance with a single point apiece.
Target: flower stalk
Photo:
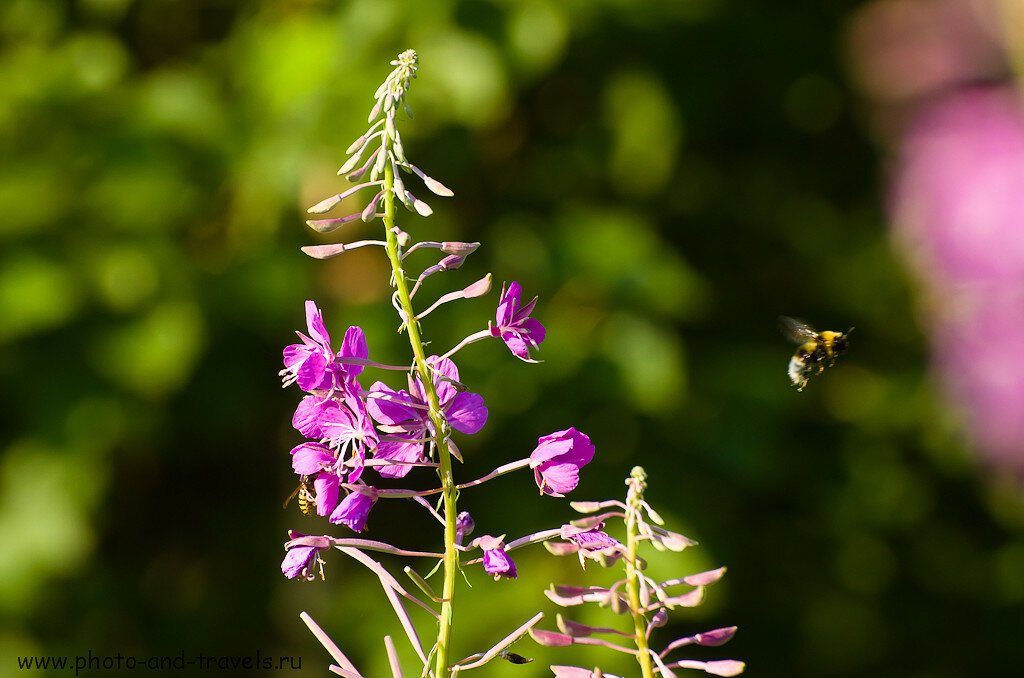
(634, 498)
(448, 491)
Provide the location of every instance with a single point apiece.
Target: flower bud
(323, 251)
(328, 225)
(460, 248)
(416, 205)
(374, 112)
(325, 205)
(371, 210)
(479, 288)
(464, 525)
(450, 263)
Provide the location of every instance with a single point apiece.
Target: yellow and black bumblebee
(816, 350)
(306, 496)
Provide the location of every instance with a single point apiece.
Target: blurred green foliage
(668, 177)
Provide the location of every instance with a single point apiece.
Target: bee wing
(797, 330)
(292, 496)
(304, 482)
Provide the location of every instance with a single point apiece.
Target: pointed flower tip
(450, 263)
(463, 249)
(715, 638)
(422, 208)
(349, 165)
(437, 188)
(328, 225)
(705, 578)
(724, 667)
(479, 288)
(355, 145)
(370, 212)
(324, 205)
(585, 506)
(323, 251)
(550, 638)
(374, 112)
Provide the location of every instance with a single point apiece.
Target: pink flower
(308, 363)
(557, 460)
(355, 508)
(958, 210)
(312, 363)
(303, 554)
(514, 325)
(496, 561)
(404, 413)
(589, 539)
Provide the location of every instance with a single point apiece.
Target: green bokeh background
(667, 176)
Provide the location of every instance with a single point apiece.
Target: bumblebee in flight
(306, 496)
(816, 350)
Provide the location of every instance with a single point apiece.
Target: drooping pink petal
(354, 509)
(307, 415)
(315, 324)
(310, 458)
(354, 346)
(391, 407)
(497, 563)
(327, 489)
(445, 372)
(396, 450)
(557, 459)
(297, 561)
(467, 413)
(559, 478)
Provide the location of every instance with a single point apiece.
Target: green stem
(448, 490)
(643, 655)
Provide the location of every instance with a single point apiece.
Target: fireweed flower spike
(392, 431)
(645, 600)
(382, 165)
